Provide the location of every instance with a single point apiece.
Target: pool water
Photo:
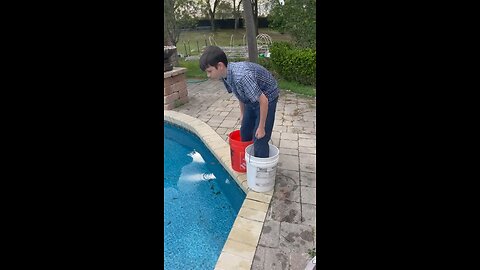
(201, 202)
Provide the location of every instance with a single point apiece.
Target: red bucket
(237, 151)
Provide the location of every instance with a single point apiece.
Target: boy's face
(216, 73)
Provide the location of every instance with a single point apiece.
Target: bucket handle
(249, 156)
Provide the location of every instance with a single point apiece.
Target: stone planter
(174, 88)
(168, 51)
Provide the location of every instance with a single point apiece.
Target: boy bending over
(257, 93)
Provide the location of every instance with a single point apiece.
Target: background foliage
(292, 63)
(297, 17)
(178, 14)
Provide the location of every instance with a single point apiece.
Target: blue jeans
(251, 119)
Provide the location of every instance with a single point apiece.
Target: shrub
(294, 64)
(266, 63)
(236, 59)
(297, 17)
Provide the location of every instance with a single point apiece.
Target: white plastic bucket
(261, 171)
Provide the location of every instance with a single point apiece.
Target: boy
(257, 93)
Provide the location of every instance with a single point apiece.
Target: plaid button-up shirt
(248, 81)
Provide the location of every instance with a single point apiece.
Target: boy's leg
(247, 130)
(260, 146)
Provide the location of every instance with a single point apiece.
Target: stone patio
(289, 231)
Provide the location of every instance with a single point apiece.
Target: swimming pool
(201, 202)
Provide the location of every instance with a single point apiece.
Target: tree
(298, 18)
(255, 15)
(236, 12)
(251, 36)
(178, 14)
(224, 10)
(276, 17)
(166, 37)
(212, 9)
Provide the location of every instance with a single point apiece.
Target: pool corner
(239, 249)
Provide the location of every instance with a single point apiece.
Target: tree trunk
(167, 24)
(255, 16)
(169, 41)
(250, 25)
(236, 13)
(166, 37)
(170, 25)
(236, 21)
(212, 20)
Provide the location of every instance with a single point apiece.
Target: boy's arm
(242, 106)
(263, 100)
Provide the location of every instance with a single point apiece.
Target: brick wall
(174, 88)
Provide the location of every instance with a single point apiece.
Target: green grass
(194, 72)
(193, 69)
(222, 38)
(295, 87)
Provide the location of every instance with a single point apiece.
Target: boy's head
(214, 62)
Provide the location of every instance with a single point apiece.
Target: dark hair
(211, 57)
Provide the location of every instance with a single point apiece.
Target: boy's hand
(260, 133)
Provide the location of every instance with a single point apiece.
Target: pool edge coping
(239, 249)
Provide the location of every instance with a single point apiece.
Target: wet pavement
(289, 231)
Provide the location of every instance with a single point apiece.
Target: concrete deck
(289, 230)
